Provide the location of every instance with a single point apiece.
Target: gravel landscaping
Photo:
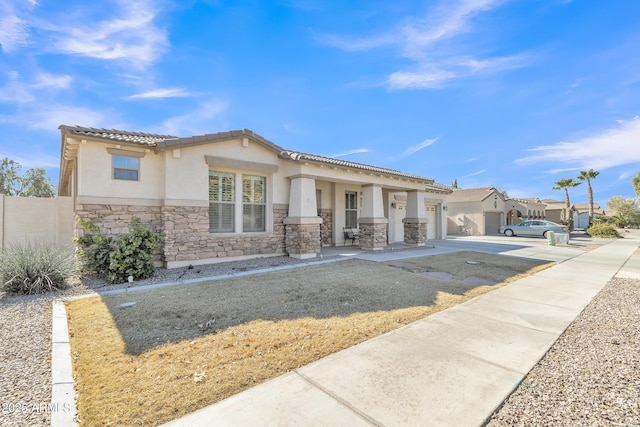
(591, 375)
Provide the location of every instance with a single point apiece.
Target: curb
(63, 392)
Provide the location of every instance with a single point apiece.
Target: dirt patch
(181, 348)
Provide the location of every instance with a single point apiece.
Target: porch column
(302, 226)
(415, 223)
(372, 223)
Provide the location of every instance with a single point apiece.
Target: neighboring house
(475, 211)
(234, 195)
(518, 210)
(581, 220)
(556, 211)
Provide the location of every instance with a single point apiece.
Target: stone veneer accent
(115, 219)
(187, 236)
(415, 233)
(303, 239)
(326, 228)
(186, 231)
(373, 236)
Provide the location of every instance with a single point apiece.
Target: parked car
(533, 228)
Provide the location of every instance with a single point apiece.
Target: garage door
(432, 225)
(491, 222)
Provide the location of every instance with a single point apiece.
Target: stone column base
(415, 231)
(373, 236)
(302, 237)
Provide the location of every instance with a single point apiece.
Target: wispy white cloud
(129, 34)
(606, 149)
(428, 43)
(349, 153)
(19, 91)
(194, 122)
(480, 172)
(14, 33)
(48, 117)
(173, 92)
(414, 149)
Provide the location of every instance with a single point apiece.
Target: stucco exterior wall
(34, 219)
(95, 169)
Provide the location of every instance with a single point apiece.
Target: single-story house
(475, 211)
(556, 211)
(233, 195)
(519, 210)
(581, 220)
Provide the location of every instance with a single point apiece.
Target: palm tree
(588, 176)
(565, 183)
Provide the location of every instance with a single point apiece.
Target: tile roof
(297, 156)
(141, 138)
(470, 194)
(167, 142)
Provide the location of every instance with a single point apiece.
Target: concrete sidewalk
(452, 368)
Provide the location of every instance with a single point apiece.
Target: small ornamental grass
(34, 268)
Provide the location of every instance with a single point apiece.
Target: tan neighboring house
(475, 211)
(556, 210)
(518, 210)
(234, 195)
(581, 220)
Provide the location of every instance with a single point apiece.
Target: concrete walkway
(453, 368)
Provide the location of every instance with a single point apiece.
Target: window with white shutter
(254, 203)
(221, 202)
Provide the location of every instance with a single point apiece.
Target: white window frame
(221, 203)
(115, 168)
(250, 203)
(239, 204)
(350, 209)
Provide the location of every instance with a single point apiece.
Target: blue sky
(515, 94)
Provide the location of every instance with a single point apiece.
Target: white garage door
(432, 226)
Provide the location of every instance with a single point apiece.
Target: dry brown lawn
(180, 348)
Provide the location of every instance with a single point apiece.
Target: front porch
(387, 215)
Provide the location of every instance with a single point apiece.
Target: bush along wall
(118, 257)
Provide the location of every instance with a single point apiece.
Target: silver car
(533, 228)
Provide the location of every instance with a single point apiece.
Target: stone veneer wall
(186, 231)
(303, 238)
(326, 228)
(373, 236)
(115, 219)
(415, 233)
(187, 236)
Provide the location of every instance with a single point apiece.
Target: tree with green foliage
(454, 184)
(9, 176)
(34, 183)
(588, 176)
(565, 184)
(635, 181)
(626, 211)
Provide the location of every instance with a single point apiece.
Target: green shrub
(603, 230)
(122, 256)
(34, 268)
